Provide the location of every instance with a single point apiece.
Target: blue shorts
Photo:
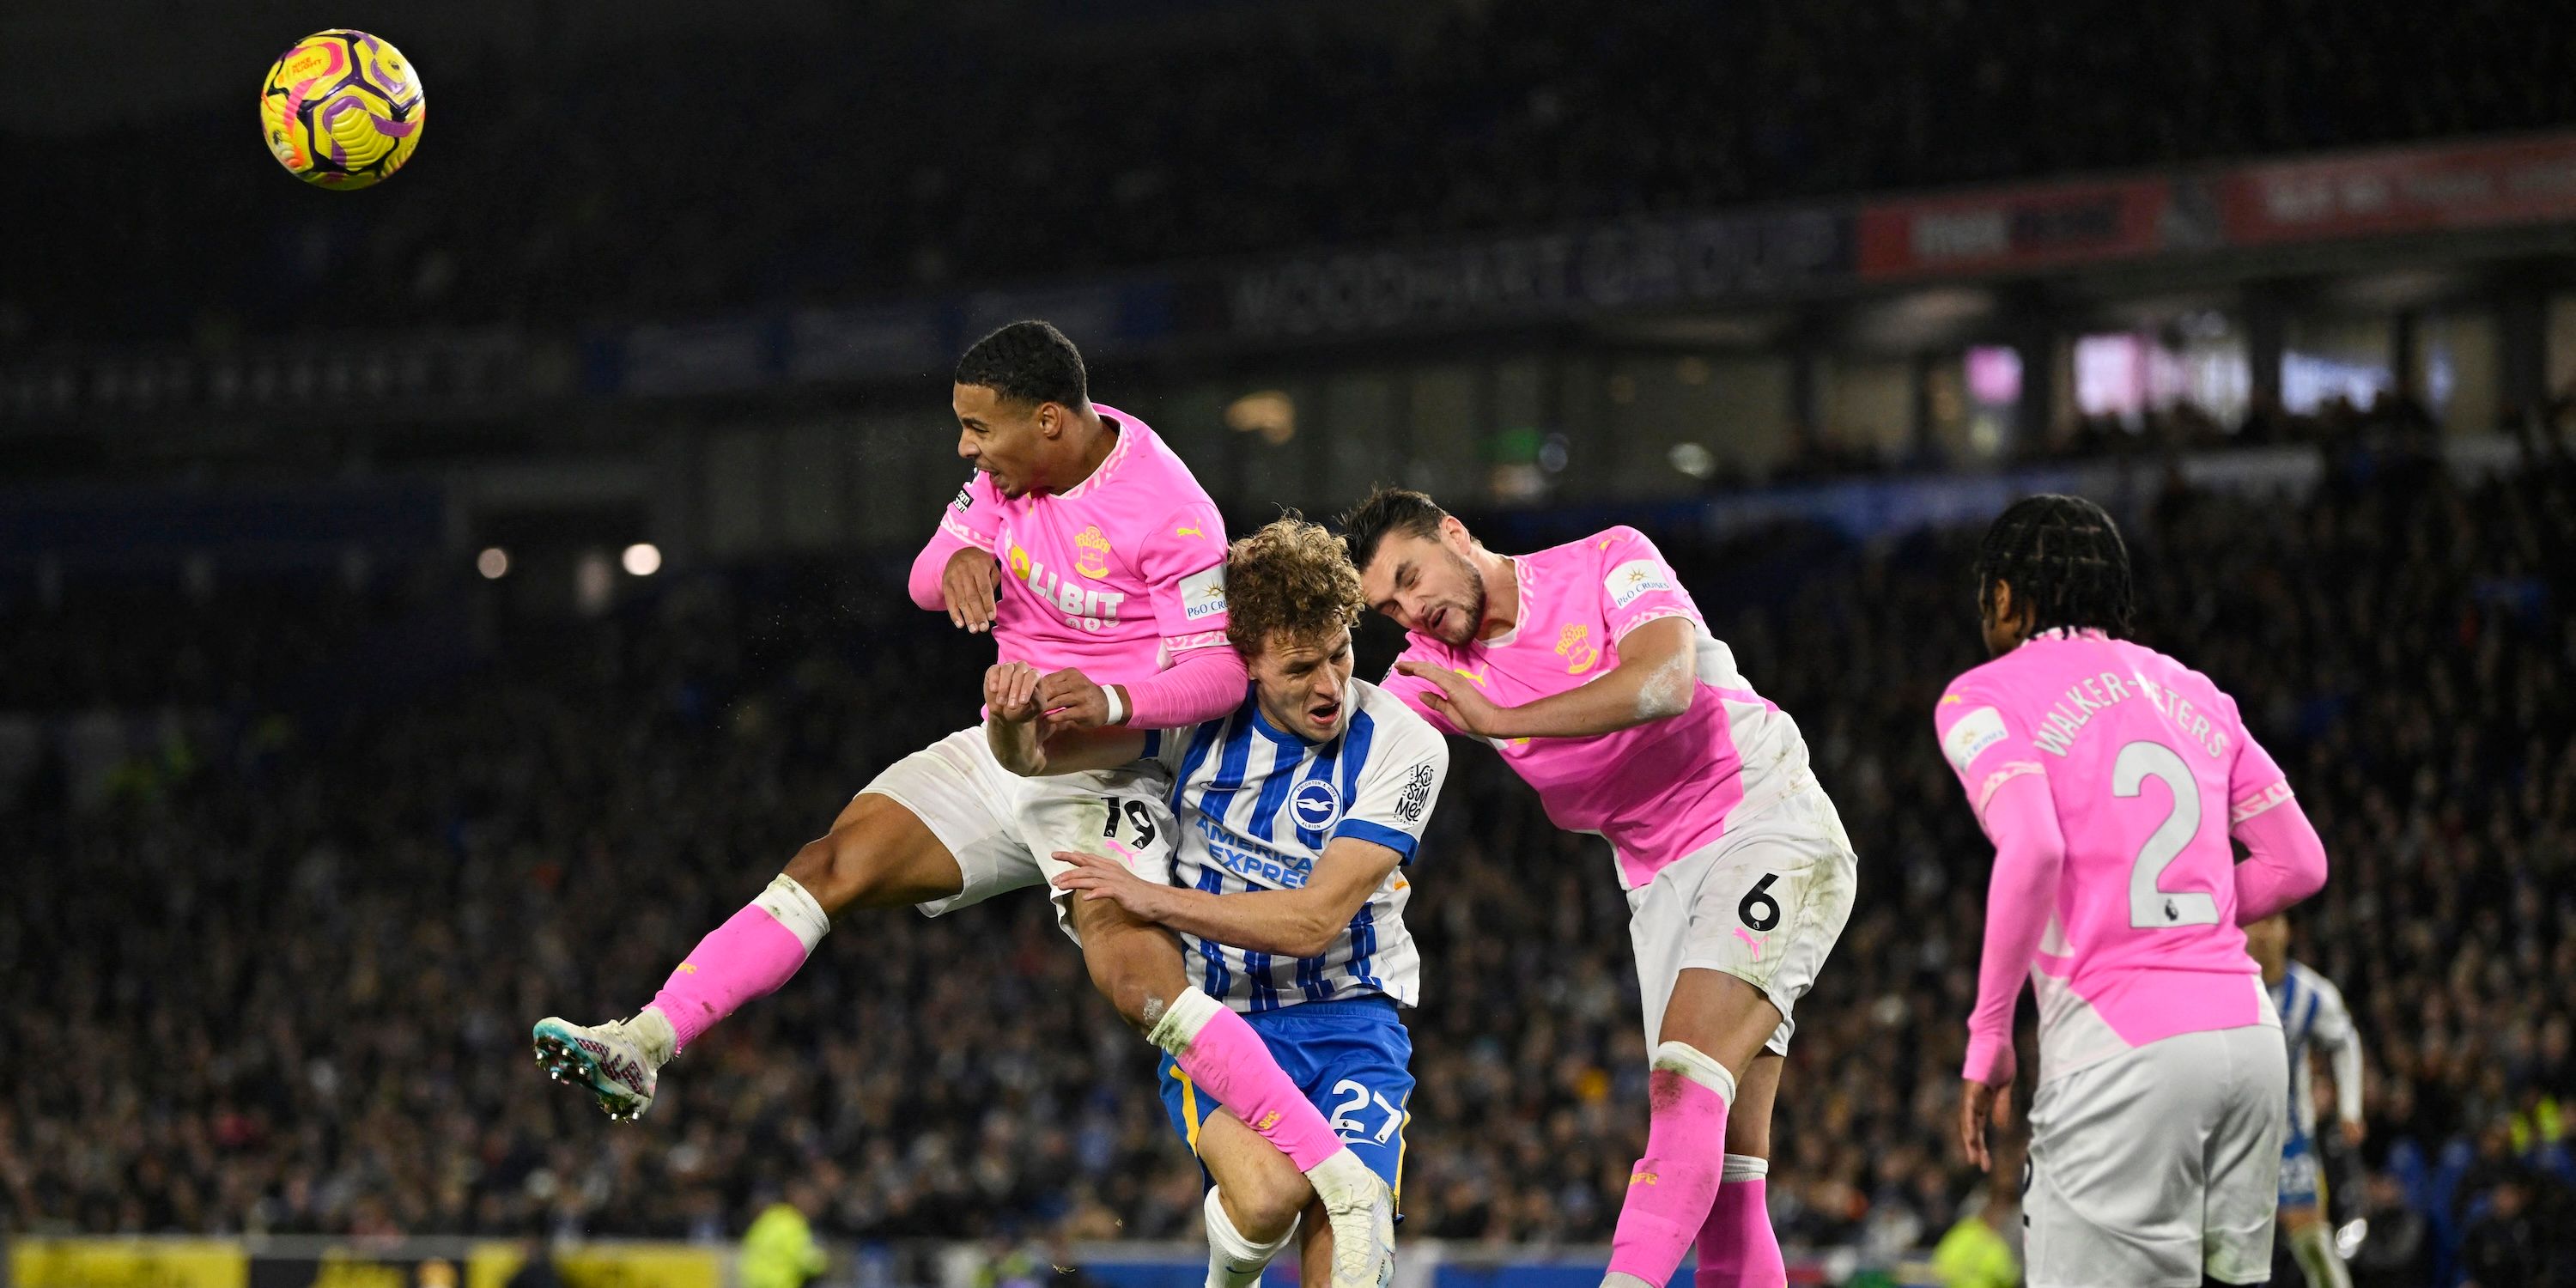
(1350, 1059)
(2301, 1186)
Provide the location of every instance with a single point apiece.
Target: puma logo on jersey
(1188, 530)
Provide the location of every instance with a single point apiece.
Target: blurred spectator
(779, 1251)
(1984, 1249)
(2397, 1251)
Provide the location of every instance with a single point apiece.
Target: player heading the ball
(1109, 558)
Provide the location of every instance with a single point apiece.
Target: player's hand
(2354, 1133)
(1096, 877)
(1072, 701)
(1011, 692)
(1457, 699)
(968, 585)
(1980, 1103)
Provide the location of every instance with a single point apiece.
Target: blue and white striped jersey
(1257, 805)
(2313, 1017)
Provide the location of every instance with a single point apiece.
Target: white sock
(1233, 1260)
(1181, 1021)
(790, 904)
(1698, 1066)
(652, 1034)
(1742, 1167)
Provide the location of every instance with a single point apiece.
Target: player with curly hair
(1298, 813)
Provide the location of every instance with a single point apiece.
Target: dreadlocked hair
(2065, 562)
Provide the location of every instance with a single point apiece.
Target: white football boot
(609, 1061)
(1361, 1210)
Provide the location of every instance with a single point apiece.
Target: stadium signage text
(1624, 266)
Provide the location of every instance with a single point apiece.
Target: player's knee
(1265, 1204)
(855, 865)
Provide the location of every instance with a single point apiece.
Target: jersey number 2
(2150, 906)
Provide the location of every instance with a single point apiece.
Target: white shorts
(1004, 830)
(1763, 903)
(2159, 1164)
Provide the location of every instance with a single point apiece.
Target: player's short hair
(1292, 580)
(1385, 510)
(1027, 362)
(2065, 561)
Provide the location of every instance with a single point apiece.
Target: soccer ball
(341, 109)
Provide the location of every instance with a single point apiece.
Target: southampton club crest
(1091, 552)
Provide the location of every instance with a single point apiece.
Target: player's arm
(1655, 627)
(2010, 793)
(2334, 1031)
(957, 571)
(1658, 671)
(1382, 827)
(1013, 727)
(2285, 858)
(1302, 922)
(1182, 559)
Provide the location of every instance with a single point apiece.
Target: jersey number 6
(1759, 911)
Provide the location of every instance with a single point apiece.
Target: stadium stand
(384, 888)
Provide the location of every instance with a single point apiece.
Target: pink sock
(1220, 1052)
(750, 955)
(1676, 1183)
(1737, 1248)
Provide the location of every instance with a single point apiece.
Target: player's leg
(2303, 1226)
(1713, 1025)
(1726, 942)
(2243, 1160)
(910, 837)
(1737, 1246)
(1137, 966)
(1354, 1060)
(1253, 1209)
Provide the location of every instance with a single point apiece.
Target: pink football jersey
(2147, 766)
(1114, 576)
(1659, 790)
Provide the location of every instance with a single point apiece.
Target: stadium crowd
(285, 983)
(569, 174)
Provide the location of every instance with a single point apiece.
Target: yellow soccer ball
(342, 109)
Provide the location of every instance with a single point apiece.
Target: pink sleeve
(1182, 561)
(2286, 860)
(973, 519)
(930, 567)
(1637, 586)
(1201, 684)
(1991, 752)
(1409, 690)
(2030, 854)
